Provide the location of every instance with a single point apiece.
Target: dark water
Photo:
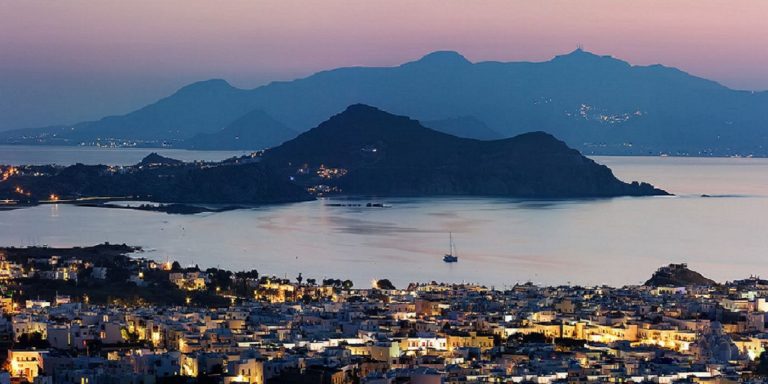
(499, 241)
(36, 155)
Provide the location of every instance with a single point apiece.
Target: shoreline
(123, 253)
(236, 152)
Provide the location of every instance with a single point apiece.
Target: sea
(716, 222)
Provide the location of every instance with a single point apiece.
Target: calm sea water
(36, 155)
(500, 241)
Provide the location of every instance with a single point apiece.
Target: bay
(717, 223)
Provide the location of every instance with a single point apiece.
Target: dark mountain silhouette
(158, 179)
(361, 151)
(364, 150)
(202, 107)
(255, 130)
(154, 160)
(597, 104)
(465, 126)
(678, 275)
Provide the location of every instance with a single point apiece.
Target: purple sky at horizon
(67, 61)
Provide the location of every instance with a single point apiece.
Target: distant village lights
(8, 172)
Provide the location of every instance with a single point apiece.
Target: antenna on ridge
(579, 47)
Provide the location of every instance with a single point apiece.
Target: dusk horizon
(246, 85)
(90, 61)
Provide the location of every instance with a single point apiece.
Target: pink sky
(148, 48)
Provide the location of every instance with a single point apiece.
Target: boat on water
(451, 256)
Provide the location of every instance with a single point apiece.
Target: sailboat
(451, 257)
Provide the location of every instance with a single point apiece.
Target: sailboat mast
(450, 257)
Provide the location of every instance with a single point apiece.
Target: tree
(568, 344)
(762, 366)
(220, 278)
(522, 339)
(32, 340)
(118, 274)
(252, 274)
(347, 284)
(385, 284)
(299, 278)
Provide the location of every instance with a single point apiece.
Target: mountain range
(596, 104)
(362, 151)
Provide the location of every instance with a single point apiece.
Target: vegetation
(167, 182)
(385, 284)
(134, 281)
(31, 340)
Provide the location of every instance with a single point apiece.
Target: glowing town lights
(21, 191)
(188, 300)
(53, 197)
(330, 173)
(8, 172)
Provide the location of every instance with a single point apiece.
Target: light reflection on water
(500, 241)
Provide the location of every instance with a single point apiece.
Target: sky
(64, 61)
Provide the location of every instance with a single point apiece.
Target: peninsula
(361, 151)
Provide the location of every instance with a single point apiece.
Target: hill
(202, 107)
(597, 104)
(155, 178)
(252, 131)
(678, 275)
(154, 160)
(360, 151)
(366, 151)
(464, 126)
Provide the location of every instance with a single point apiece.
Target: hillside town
(94, 315)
